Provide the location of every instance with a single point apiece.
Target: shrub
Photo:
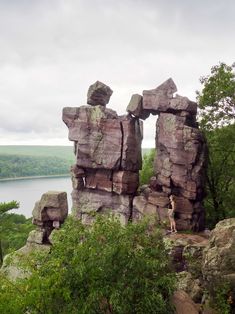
(221, 295)
(104, 268)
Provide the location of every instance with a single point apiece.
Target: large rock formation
(180, 159)
(108, 156)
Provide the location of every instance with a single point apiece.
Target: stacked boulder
(48, 214)
(108, 156)
(180, 157)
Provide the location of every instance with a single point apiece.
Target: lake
(28, 191)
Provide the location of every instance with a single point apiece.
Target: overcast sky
(52, 50)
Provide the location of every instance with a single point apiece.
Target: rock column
(180, 157)
(108, 156)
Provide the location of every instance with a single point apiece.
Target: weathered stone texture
(52, 206)
(48, 213)
(96, 131)
(179, 166)
(104, 140)
(100, 179)
(88, 202)
(125, 182)
(179, 103)
(219, 255)
(158, 99)
(108, 154)
(135, 107)
(180, 161)
(99, 94)
(131, 145)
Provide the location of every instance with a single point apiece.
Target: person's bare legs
(174, 225)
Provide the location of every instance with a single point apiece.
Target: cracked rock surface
(108, 156)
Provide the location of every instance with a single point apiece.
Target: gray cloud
(52, 50)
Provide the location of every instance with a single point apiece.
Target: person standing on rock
(171, 214)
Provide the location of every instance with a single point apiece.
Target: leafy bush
(222, 296)
(16, 233)
(220, 177)
(104, 268)
(14, 229)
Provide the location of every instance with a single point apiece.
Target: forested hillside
(65, 152)
(25, 161)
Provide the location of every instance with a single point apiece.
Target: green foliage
(5, 207)
(217, 99)
(25, 161)
(104, 268)
(220, 201)
(14, 229)
(217, 104)
(222, 296)
(147, 170)
(4, 223)
(17, 232)
(13, 166)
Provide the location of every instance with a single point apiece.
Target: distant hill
(52, 151)
(30, 150)
(27, 161)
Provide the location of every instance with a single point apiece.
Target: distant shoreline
(36, 177)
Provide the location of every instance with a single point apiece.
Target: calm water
(28, 191)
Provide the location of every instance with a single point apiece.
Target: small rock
(135, 107)
(99, 94)
(187, 283)
(183, 303)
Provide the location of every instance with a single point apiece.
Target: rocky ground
(203, 261)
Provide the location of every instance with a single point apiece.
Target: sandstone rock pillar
(108, 157)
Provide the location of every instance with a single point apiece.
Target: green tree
(103, 268)
(4, 224)
(147, 170)
(220, 177)
(217, 98)
(217, 112)
(16, 235)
